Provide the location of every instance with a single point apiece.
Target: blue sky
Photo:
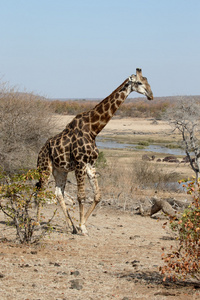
(86, 48)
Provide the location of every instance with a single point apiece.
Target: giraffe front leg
(91, 173)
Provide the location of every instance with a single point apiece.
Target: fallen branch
(164, 205)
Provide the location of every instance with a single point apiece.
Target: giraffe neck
(101, 114)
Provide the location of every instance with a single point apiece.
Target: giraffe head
(139, 84)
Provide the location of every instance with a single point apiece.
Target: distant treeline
(132, 107)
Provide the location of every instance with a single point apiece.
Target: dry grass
(132, 108)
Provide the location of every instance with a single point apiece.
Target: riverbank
(137, 131)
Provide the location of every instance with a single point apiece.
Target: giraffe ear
(138, 73)
(132, 78)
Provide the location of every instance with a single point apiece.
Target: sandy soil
(125, 125)
(119, 259)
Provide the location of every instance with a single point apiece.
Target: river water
(151, 148)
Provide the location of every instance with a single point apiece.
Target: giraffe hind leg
(80, 176)
(60, 179)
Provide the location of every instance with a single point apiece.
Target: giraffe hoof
(83, 230)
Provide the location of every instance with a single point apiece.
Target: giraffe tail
(44, 166)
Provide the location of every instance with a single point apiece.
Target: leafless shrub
(148, 175)
(184, 118)
(24, 126)
(117, 184)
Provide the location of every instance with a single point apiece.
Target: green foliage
(185, 260)
(172, 146)
(139, 147)
(101, 160)
(144, 143)
(17, 194)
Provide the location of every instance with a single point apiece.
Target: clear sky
(86, 48)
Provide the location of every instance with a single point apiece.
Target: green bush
(184, 260)
(17, 195)
(101, 160)
(144, 143)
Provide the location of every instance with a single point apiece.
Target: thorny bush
(185, 260)
(17, 197)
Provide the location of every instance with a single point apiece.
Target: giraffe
(74, 149)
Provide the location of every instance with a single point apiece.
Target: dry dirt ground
(119, 259)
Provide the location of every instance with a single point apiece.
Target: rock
(75, 273)
(146, 157)
(76, 284)
(170, 158)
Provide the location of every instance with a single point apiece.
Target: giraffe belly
(65, 166)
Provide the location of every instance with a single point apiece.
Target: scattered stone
(163, 293)
(76, 284)
(134, 263)
(2, 275)
(34, 252)
(75, 273)
(57, 265)
(134, 237)
(25, 266)
(61, 273)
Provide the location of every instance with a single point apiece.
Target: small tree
(184, 117)
(17, 195)
(184, 261)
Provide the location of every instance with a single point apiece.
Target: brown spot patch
(107, 106)
(122, 96)
(113, 108)
(100, 109)
(116, 95)
(95, 126)
(95, 118)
